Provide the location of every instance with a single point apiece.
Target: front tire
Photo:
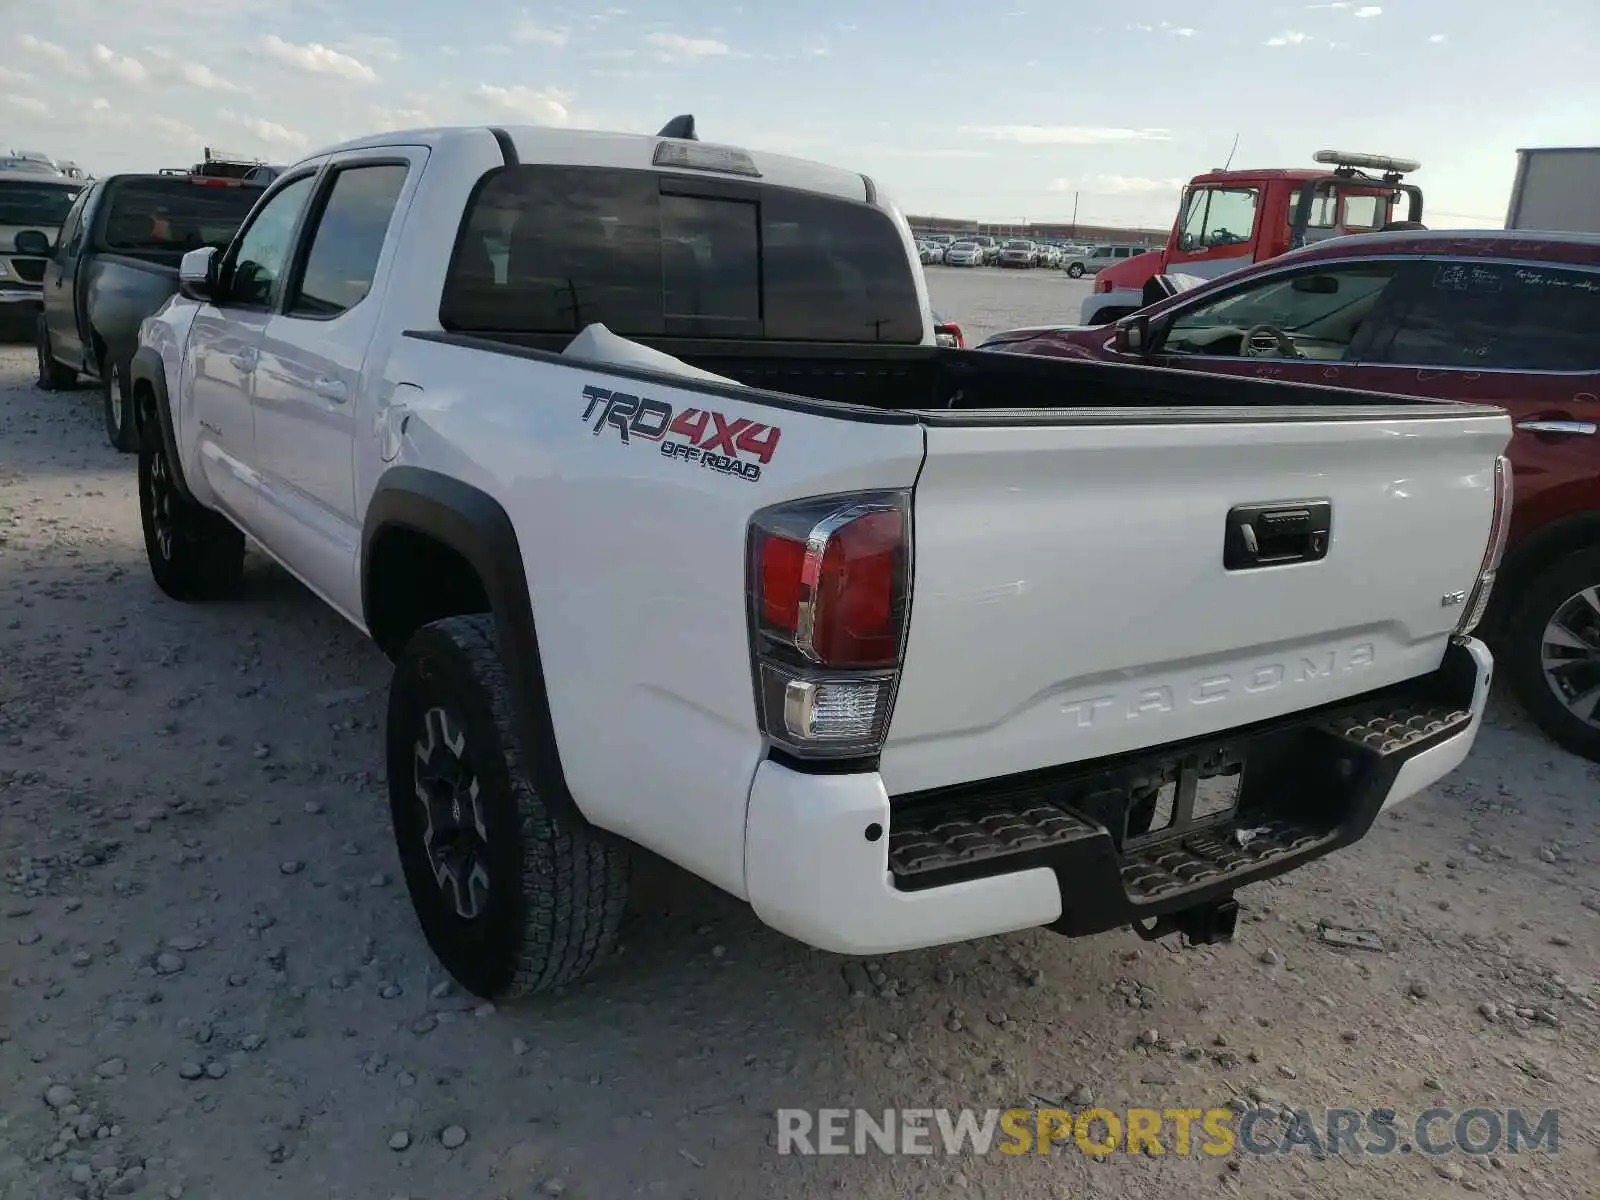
(121, 429)
(194, 553)
(515, 894)
(1552, 652)
(1075, 270)
(53, 377)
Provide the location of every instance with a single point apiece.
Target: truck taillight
(948, 333)
(1499, 528)
(829, 584)
(1102, 285)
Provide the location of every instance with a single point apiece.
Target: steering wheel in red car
(1267, 341)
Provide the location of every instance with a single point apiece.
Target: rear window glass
(40, 205)
(551, 249)
(1499, 316)
(177, 215)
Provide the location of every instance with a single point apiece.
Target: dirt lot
(211, 984)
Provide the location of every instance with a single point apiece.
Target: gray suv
(1099, 259)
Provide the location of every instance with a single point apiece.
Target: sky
(1009, 111)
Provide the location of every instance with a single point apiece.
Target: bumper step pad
(1014, 825)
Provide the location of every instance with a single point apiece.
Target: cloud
(1117, 185)
(9, 75)
(1293, 38)
(1065, 135)
(371, 46)
(674, 46)
(543, 106)
(120, 67)
(58, 57)
(1182, 31)
(201, 76)
(1335, 4)
(401, 118)
(28, 104)
(103, 114)
(1436, 37)
(176, 133)
(317, 59)
(1369, 10)
(267, 131)
(529, 31)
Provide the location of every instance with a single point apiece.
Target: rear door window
(1497, 316)
(548, 250)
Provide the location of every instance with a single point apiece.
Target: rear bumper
(833, 862)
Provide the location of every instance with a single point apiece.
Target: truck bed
(1003, 388)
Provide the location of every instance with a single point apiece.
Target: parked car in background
(1018, 254)
(964, 254)
(114, 263)
(930, 253)
(1485, 317)
(1099, 258)
(33, 204)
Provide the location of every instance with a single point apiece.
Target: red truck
(1230, 219)
(1498, 317)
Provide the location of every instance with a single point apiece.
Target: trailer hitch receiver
(1204, 925)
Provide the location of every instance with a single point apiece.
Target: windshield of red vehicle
(1218, 216)
(36, 204)
(152, 215)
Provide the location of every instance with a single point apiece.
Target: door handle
(1554, 425)
(1276, 534)
(244, 361)
(332, 389)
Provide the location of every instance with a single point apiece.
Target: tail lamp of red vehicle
(1499, 528)
(829, 594)
(1102, 285)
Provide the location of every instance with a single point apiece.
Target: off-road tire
(122, 430)
(1075, 270)
(557, 886)
(53, 377)
(201, 555)
(1522, 650)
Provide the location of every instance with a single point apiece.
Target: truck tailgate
(1071, 598)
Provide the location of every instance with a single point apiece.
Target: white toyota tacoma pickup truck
(902, 644)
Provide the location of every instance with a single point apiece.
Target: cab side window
(262, 253)
(348, 239)
(70, 237)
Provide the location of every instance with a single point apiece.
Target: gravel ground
(211, 984)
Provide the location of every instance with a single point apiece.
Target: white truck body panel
(1557, 190)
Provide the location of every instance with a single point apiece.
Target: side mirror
(33, 243)
(197, 274)
(1132, 335)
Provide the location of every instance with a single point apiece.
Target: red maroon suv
(1511, 319)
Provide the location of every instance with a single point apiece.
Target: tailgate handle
(1277, 533)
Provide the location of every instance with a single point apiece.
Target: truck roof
(538, 144)
(1293, 174)
(1581, 248)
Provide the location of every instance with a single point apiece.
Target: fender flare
(474, 525)
(146, 367)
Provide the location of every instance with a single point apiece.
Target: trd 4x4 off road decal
(691, 435)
